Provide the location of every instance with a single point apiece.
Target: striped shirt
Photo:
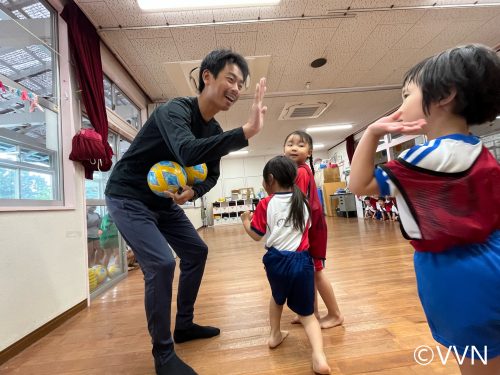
(450, 154)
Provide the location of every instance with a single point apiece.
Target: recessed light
(318, 63)
(318, 145)
(244, 152)
(175, 5)
(328, 128)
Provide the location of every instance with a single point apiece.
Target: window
(106, 249)
(94, 189)
(30, 157)
(117, 101)
(108, 94)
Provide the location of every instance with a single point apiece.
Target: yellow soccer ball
(113, 270)
(92, 279)
(196, 174)
(166, 176)
(100, 272)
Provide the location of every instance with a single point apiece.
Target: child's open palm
(394, 124)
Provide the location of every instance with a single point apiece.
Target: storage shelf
(229, 212)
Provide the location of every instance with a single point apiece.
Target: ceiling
(367, 51)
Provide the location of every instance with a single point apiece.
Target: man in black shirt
(183, 130)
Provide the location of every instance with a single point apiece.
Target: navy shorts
(291, 276)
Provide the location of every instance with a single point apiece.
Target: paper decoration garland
(24, 95)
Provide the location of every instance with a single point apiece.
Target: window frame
(58, 167)
(114, 89)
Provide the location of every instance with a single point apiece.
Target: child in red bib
(298, 147)
(448, 197)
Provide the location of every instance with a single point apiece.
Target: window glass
(105, 247)
(128, 111)
(30, 157)
(108, 95)
(118, 102)
(107, 251)
(29, 59)
(31, 149)
(94, 189)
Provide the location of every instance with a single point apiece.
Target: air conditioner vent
(300, 111)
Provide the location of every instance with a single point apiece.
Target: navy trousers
(152, 234)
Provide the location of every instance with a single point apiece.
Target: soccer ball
(113, 270)
(100, 272)
(166, 175)
(92, 279)
(196, 174)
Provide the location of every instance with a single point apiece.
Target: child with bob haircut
(448, 197)
(284, 218)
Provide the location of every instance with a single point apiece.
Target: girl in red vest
(448, 197)
(298, 147)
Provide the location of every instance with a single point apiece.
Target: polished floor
(369, 265)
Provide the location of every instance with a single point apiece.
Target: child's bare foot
(296, 319)
(330, 321)
(319, 364)
(275, 340)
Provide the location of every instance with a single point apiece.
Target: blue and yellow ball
(101, 273)
(166, 176)
(113, 270)
(196, 174)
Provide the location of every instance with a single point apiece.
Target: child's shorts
(291, 276)
(460, 293)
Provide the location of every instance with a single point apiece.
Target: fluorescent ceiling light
(175, 5)
(498, 116)
(318, 145)
(238, 152)
(328, 128)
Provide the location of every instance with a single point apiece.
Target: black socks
(175, 366)
(195, 332)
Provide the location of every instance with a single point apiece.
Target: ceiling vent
(301, 111)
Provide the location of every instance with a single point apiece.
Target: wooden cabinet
(329, 188)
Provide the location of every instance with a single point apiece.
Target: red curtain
(350, 147)
(85, 49)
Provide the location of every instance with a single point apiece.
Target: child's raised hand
(394, 124)
(414, 127)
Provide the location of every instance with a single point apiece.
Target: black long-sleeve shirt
(176, 131)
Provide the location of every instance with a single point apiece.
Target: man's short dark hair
(216, 60)
(473, 71)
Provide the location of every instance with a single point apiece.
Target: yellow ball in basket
(196, 174)
(113, 270)
(92, 279)
(101, 273)
(166, 175)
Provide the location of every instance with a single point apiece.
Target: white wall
(242, 173)
(338, 155)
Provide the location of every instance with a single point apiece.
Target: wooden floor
(371, 269)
